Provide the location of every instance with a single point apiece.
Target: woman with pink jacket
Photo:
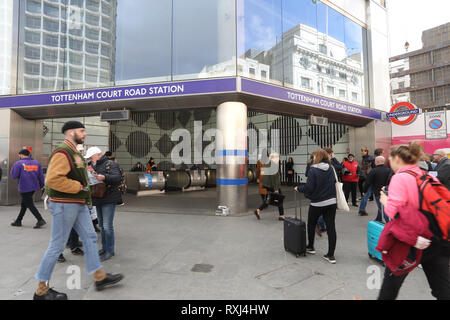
(403, 204)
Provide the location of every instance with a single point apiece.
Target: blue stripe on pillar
(231, 153)
(232, 182)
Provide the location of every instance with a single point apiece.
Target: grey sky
(408, 18)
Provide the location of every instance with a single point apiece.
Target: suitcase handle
(299, 204)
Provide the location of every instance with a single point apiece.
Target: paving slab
(159, 242)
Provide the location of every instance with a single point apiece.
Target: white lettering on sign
(135, 92)
(117, 93)
(324, 103)
(154, 90)
(69, 97)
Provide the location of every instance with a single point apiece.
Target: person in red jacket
(350, 178)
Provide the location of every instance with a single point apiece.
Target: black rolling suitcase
(295, 233)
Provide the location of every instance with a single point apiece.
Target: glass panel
(51, 11)
(32, 37)
(203, 39)
(323, 45)
(51, 25)
(33, 6)
(138, 58)
(259, 40)
(50, 40)
(32, 68)
(33, 22)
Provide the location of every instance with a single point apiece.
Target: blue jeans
(65, 217)
(105, 215)
(380, 211)
(364, 199)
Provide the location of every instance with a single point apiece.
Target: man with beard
(67, 185)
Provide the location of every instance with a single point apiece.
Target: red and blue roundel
(436, 124)
(402, 110)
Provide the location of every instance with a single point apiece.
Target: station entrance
(191, 187)
(174, 131)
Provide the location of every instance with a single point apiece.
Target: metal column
(231, 157)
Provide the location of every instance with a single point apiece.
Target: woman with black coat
(320, 188)
(108, 172)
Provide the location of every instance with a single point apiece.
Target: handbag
(276, 199)
(98, 190)
(340, 197)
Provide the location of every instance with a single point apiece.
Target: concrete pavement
(183, 255)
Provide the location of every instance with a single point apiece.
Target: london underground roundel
(403, 113)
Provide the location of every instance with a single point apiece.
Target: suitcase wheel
(370, 256)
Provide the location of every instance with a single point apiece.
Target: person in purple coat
(31, 179)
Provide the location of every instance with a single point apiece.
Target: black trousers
(329, 215)
(350, 187)
(361, 185)
(436, 268)
(264, 205)
(290, 179)
(28, 203)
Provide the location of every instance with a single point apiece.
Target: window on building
(33, 22)
(106, 10)
(264, 75)
(92, 5)
(32, 37)
(342, 94)
(106, 36)
(92, 47)
(31, 84)
(50, 25)
(32, 68)
(354, 96)
(306, 83)
(92, 34)
(401, 85)
(91, 75)
(323, 48)
(92, 19)
(75, 44)
(76, 59)
(106, 23)
(49, 55)
(252, 71)
(48, 70)
(106, 51)
(51, 40)
(33, 7)
(32, 53)
(342, 76)
(51, 11)
(76, 73)
(330, 90)
(91, 61)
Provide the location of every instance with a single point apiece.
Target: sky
(408, 18)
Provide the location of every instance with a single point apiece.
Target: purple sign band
(280, 93)
(121, 93)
